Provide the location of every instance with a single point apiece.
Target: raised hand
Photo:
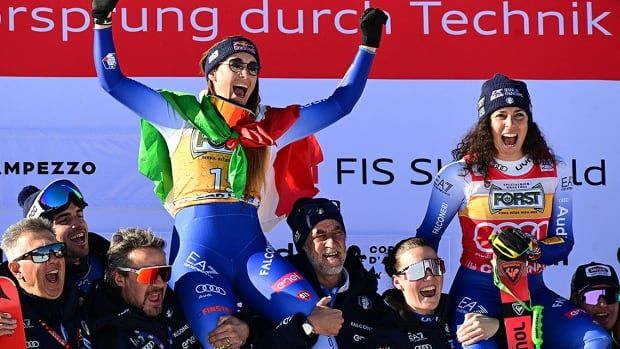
(102, 11)
(511, 243)
(325, 320)
(371, 23)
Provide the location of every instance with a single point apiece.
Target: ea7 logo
(442, 185)
(513, 270)
(194, 262)
(416, 336)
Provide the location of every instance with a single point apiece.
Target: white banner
(379, 160)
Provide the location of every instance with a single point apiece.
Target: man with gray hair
(49, 305)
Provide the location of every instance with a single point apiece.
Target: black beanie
(26, 198)
(499, 92)
(222, 50)
(308, 212)
(592, 274)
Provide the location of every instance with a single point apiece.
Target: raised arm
(447, 197)
(320, 114)
(142, 100)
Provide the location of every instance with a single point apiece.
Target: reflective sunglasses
(148, 275)
(417, 270)
(42, 254)
(237, 65)
(55, 195)
(592, 297)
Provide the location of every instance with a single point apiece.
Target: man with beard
(62, 202)
(49, 306)
(350, 306)
(133, 308)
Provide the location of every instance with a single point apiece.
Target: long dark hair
(478, 150)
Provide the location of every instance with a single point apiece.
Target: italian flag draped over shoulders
(293, 172)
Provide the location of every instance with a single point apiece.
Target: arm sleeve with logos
(447, 196)
(320, 114)
(141, 99)
(559, 241)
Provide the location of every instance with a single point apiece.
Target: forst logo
(286, 280)
(201, 144)
(533, 198)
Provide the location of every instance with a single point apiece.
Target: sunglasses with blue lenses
(43, 254)
(417, 271)
(593, 297)
(54, 196)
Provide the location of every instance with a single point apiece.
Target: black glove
(371, 23)
(511, 243)
(102, 10)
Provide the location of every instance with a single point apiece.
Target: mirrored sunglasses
(148, 275)
(418, 270)
(592, 297)
(236, 65)
(56, 195)
(43, 254)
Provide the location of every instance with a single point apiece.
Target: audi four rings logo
(208, 288)
(536, 228)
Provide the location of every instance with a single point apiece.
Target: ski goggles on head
(56, 195)
(42, 254)
(418, 270)
(148, 275)
(592, 297)
(321, 207)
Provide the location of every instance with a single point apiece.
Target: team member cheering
(208, 158)
(505, 176)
